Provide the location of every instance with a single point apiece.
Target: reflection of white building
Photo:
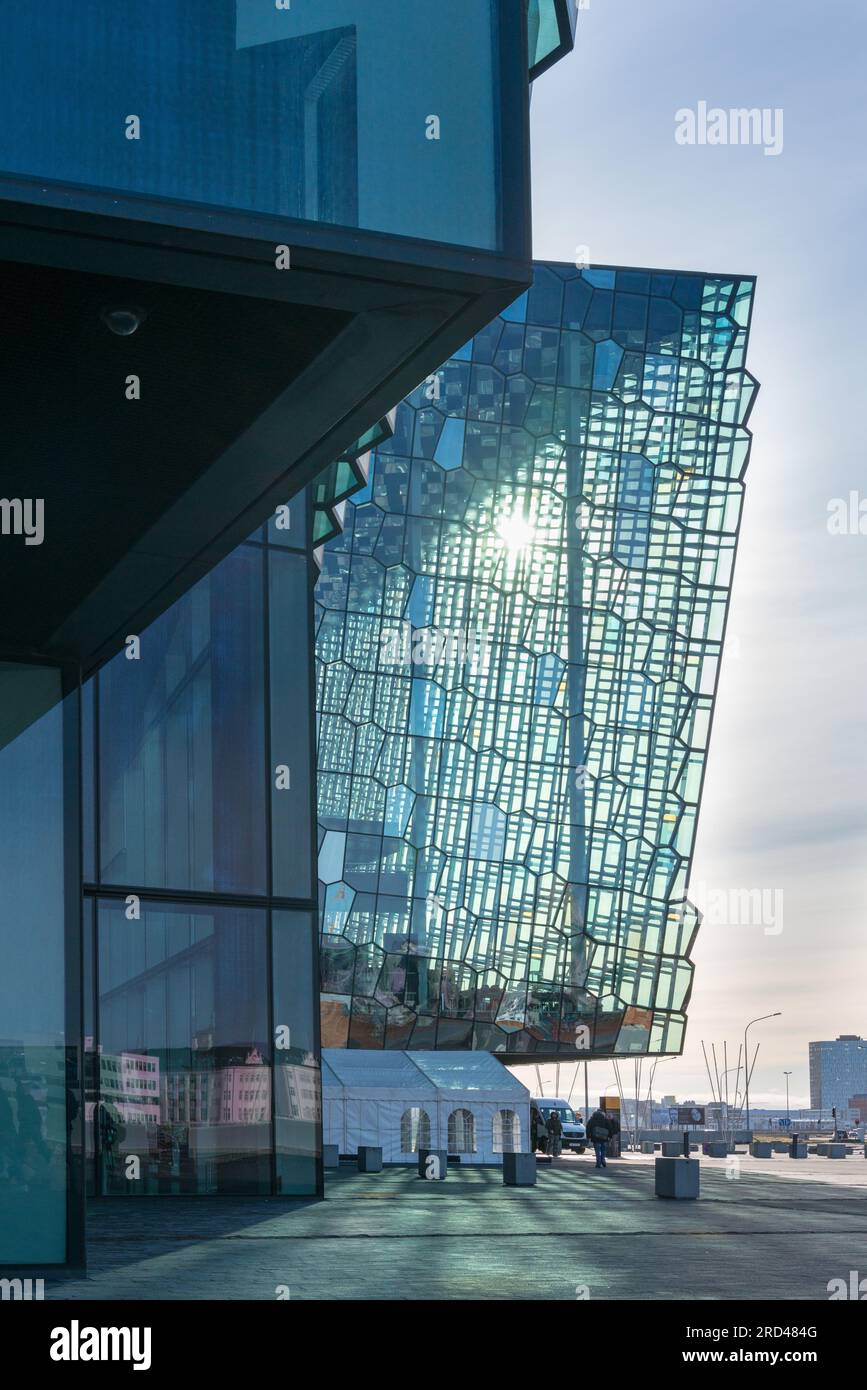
(244, 1095)
(130, 1081)
(297, 1092)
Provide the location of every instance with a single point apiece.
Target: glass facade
(518, 640)
(201, 1036)
(330, 111)
(40, 1097)
(838, 1072)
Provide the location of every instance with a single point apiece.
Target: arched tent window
(414, 1130)
(507, 1132)
(462, 1132)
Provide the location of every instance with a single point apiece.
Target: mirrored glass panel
(184, 1053)
(182, 742)
(372, 115)
(38, 1094)
(297, 1099)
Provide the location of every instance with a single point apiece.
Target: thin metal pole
(586, 1091)
(707, 1067)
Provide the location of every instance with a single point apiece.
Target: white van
(574, 1133)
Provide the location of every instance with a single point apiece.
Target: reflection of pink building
(245, 1094)
(231, 1095)
(228, 1095)
(131, 1084)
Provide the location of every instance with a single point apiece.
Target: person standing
(599, 1129)
(555, 1134)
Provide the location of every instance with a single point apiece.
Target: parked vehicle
(574, 1133)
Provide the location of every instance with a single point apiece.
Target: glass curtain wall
(518, 639)
(40, 1097)
(319, 110)
(201, 1026)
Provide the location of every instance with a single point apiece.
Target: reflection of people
(8, 1137)
(111, 1133)
(600, 1130)
(29, 1120)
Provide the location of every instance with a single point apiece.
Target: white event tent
(465, 1102)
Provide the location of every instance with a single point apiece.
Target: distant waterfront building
(838, 1071)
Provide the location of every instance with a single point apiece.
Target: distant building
(838, 1070)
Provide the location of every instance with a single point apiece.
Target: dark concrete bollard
(519, 1170)
(369, 1159)
(677, 1178)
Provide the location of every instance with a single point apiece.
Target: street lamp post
(760, 1019)
(787, 1074)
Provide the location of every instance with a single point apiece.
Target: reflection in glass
(292, 725)
(306, 111)
(184, 1057)
(297, 1095)
(181, 742)
(35, 1085)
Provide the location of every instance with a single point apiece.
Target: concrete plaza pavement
(780, 1230)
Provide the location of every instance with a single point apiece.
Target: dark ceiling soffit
(376, 360)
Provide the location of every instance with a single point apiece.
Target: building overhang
(251, 379)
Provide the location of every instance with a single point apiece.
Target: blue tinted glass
(182, 748)
(88, 780)
(601, 279)
(292, 725)
(632, 521)
(608, 358)
(426, 709)
(450, 449)
(310, 111)
(33, 1128)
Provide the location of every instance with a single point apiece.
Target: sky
(785, 798)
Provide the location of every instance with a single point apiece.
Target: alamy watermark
(847, 516)
(23, 516)
(405, 645)
(738, 126)
(738, 907)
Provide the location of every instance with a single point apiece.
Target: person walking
(555, 1134)
(599, 1129)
